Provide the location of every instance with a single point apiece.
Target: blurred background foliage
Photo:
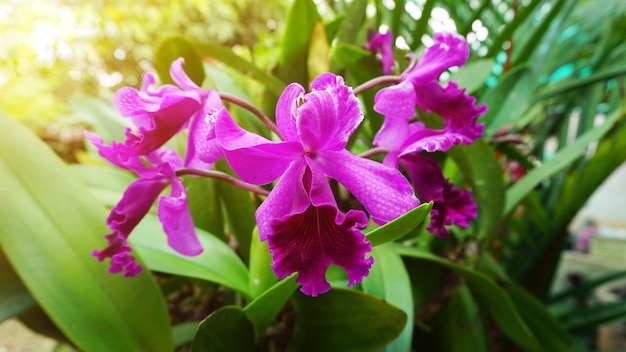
(54, 50)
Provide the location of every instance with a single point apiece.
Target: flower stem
(374, 82)
(223, 176)
(253, 109)
(373, 151)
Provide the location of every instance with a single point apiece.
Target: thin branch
(253, 109)
(223, 176)
(374, 82)
(373, 151)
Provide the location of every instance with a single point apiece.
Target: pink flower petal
(308, 242)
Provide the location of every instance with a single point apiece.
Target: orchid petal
(308, 242)
(176, 220)
(203, 148)
(384, 191)
(289, 195)
(449, 50)
(329, 114)
(286, 111)
(254, 158)
(180, 77)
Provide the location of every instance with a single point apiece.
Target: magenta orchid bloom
(137, 201)
(158, 114)
(450, 205)
(420, 87)
(305, 230)
(382, 43)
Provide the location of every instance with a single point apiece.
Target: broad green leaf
(173, 48)
(399, 227)
(262, 275)
(351, 25)
(473, 74)
(507, 100)
(389, 280)
(14, 297)
(561, 159)
(485, 175)
(50, 227)
(203, 201)
(227, 329)
(318, 61)
(488, 295)
(106, 183)
(217, 263)
(301, 21)
(228, 57)
(183, 333)
(459, 326)
(345, 320)
(264, 309)
(102, 118)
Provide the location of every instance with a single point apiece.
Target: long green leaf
(488, 294)
(14, 297)
(399, 227)
(301, 22)
(228, 57)
(173, 48)
(480, 166)
(561, 159)
(264, 309)
(389, 280)
(50, 225)
(217, 263)
(227, 329)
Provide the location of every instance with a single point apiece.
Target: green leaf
(301, 21)
(228, 57)
(479, 165)
(264, 309)
(173, 48)
(399, 227)
(183, 333)
(351, 25)
(106, 183)
(458, 326)
(50, 226)
(240, 210)
(587, 287)
(488, 294)
(225, 330)
(217, 263)
(262, 275)
(507, 100)
(345, 320)
(389, 280)
(539, 319)
(473, 74)
(578, 83)
(558, 162)
(318, 61)
(203, 201)
(14, 296)
(579, 320)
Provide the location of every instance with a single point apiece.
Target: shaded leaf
(173, 48)
(345, 320)
(399, 227)
(264, 309)
(49, 230)
(225, 330)
(217, 263)
(14, 297)
(301, 21)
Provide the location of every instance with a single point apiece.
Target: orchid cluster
(299, 218)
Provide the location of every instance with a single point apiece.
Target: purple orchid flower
(420, 87)
(300, 220)
(450, 205)
(158, 114)
(382, 43)
(137, 201)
